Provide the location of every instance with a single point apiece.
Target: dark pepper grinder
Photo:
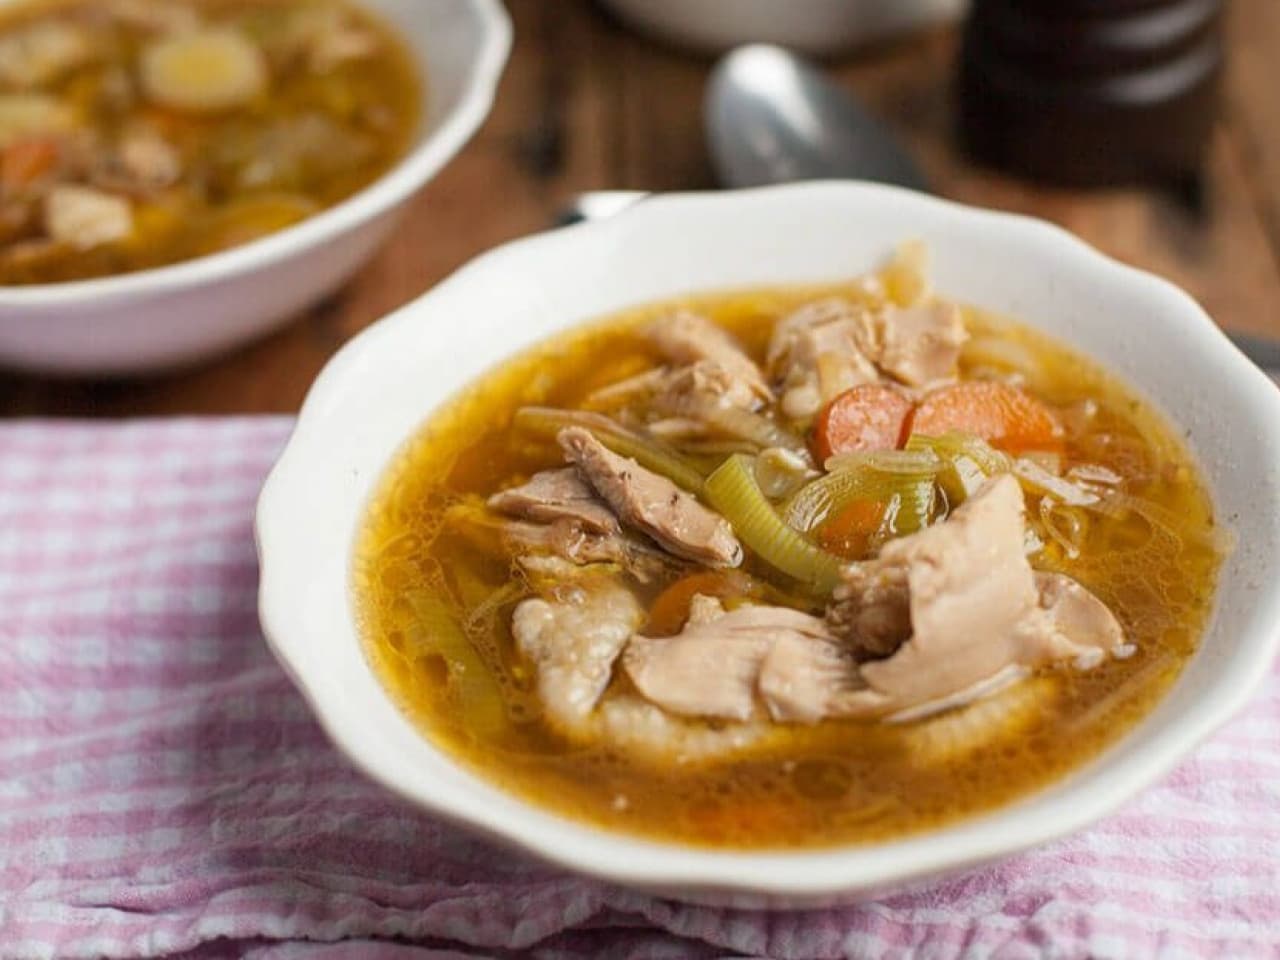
(1092, 92)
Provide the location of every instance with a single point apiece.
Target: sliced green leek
(909, 462)
(646, 451)
(732, 490)
(910, 508)
(967, 462)
(470, 679)
(907, 494)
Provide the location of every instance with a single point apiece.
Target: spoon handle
(597, 205)
(1261, 349)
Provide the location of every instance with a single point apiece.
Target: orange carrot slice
(669, 612)
(26, 161)
(868, 417)
(1006, 417)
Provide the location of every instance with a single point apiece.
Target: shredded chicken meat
(687, 339)
(726, 665)
(972, 605)
(652, 504)
(572, 639)
(828, 347)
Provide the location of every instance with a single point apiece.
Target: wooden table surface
(584, 104)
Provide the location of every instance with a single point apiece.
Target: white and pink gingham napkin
(164, 791)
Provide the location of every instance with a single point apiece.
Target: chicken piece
(684, 391)
(818, 352)
(1079, 624)
(568, 540)
(84, 218)
(556, 495)
(687, 339)
(704, 609)
(975, 609)
(713, 666)
(804, 679)
(572, 641)
(652, 503)
(148, 159)
(870, 609)
(142, 163)
(921, 344)
(42, 53)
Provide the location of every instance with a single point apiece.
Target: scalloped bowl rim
(806, 875)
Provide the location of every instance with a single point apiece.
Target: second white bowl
(156, 319)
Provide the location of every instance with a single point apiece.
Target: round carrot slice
(1006, 417)
(868, 417)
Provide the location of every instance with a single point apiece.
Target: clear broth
(837, 782)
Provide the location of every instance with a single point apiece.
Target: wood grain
(586, 105)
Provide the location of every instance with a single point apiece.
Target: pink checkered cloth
(164, 791)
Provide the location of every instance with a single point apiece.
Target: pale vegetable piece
(149, 159)
(781, 472)
(206, 71)
(85, 218)
(42, 53)
(27, 114)
(733, 491)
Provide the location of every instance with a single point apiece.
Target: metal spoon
(773, 117)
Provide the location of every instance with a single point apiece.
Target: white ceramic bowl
(821, 27)
(157, 319)
(381, 386)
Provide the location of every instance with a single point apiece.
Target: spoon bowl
(773, 117)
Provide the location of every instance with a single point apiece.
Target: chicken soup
(786, 568)
(138, 133)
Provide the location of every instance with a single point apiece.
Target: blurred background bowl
(159, 319)
(820, 27)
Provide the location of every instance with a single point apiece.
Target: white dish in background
(157, 319)
(821, 27)
(378, 390)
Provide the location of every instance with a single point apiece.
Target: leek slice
(733, 491)
(646, 451)
(910, 508)
(967, 462)
(470, 679)
(207, 71)
(904, 483)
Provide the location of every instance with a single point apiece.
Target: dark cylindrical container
(1091, 92)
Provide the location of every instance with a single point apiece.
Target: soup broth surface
(836, 782)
